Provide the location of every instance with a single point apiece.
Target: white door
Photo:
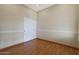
(29, 28)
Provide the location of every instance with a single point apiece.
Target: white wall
(58, 23)
(12, 18)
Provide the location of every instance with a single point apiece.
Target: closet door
(29, 28)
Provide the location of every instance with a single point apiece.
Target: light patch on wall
(56, 34)
(38, 7)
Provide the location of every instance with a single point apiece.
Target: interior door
(29, 28)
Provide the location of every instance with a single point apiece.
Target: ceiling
(38, 7)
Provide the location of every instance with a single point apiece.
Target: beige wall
(12, 24)
(78, 20)
(58, 23)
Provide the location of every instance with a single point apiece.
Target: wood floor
(39, 47)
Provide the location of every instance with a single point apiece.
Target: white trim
(10, 31)
(64, 31)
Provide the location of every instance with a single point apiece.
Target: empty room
(39, 29)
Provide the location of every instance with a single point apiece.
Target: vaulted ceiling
(38, 7)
